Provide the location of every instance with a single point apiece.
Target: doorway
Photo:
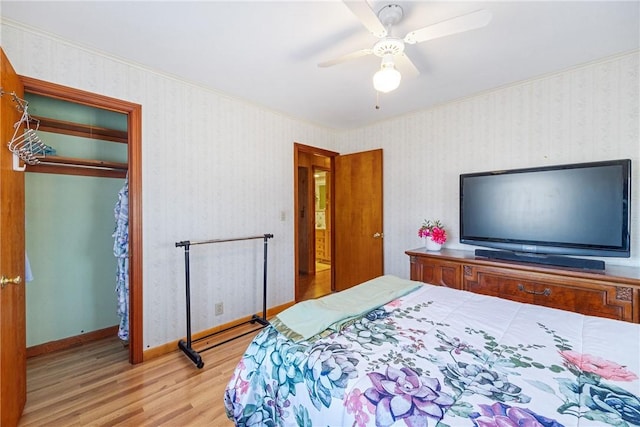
(355, 212)
(133, 140)
(313, 221)
(322, 218)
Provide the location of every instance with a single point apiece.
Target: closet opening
(74, 226)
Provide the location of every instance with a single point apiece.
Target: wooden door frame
(134, 159)
(304, 197)
(297, 149)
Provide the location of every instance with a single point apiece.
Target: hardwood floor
(314, 285)
(94, 385)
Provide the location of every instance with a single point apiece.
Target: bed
(394, 352)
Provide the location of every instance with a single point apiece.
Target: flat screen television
(543, 214)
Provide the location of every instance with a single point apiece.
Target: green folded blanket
(308, 318)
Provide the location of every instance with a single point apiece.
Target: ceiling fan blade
(467, 22)
(367, 16)
(405, 65)
(345, 58)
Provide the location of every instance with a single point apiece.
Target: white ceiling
(267, 52)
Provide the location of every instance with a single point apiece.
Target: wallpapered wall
(213, 167)
(216, 167)
(588, 113)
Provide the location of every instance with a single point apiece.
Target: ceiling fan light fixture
(387, 78)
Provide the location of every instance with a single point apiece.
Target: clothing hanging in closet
(121, 252)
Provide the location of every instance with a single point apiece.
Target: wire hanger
(25, 144)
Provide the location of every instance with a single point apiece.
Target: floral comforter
(443, 357)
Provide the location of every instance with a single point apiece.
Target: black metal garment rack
(186, 346)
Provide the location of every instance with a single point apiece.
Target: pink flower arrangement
(434, 230)
(596, 365)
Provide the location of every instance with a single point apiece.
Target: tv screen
(577, 209)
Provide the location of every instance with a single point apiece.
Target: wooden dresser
(322, 248)
(613, 293)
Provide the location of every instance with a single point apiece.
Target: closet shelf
(81, 130)
(76, 166)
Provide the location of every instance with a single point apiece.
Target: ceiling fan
(391, 48)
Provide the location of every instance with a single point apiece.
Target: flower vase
(430, 245)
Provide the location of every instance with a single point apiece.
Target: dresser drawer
(436, 272)
(581, 296)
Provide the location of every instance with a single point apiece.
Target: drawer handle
(546, 292)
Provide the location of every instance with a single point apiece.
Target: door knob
(4, 281)
(378, 235)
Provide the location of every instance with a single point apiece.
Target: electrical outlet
(219, 308)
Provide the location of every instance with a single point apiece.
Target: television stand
(613, 293)
(558, 261)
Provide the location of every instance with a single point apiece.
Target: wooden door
(13, 341)
(305, 234)
(357, 218)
